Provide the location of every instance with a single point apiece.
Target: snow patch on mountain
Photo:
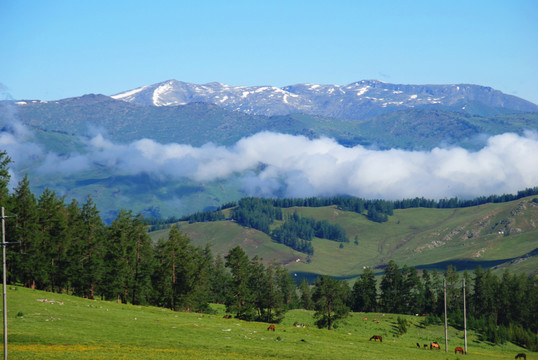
(127, 94)
(357, 100)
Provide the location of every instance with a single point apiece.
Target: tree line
(375, 210)
(295, 231)
(502, 308)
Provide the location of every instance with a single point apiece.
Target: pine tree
(483, 296)
(240, 297)
(128, 260)
(201, 293)
(75, 252)
(220, 281)
(52, 222)
(330, 297)
(92, 261)
(391, 299)
(143, 263)
(286, 287)
(5, 177)
(429, 295)
(23, 258)
(415, 292)
(364, 292)
(261, 284)
(306, 297)
(453, 289)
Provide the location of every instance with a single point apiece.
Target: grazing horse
(458, 349)
(227, 316)
(425, 346)
(418, 346)
(376, 337)
(521, 355)
(271, 327)
(435, 345)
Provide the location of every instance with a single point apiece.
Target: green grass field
(44, 325)
(496, 236)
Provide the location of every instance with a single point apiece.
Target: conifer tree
(391, 289)
(201, 293)
(180, 267)
(330, 297)
(414, 291)
(86, 231)
(92, 262)
(365, 292)
(22, 258)
(52, 222)
(240, 297)
(220, 281)
(306, 297)
(286, 286)
(5, 177)
(128, 260)
(74, 253)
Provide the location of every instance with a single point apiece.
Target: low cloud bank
(272, 164)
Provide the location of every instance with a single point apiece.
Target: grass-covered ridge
(493, 235)
(46, 326)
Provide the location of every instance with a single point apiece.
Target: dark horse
(376, 337)
(458, 349)
(521, 355)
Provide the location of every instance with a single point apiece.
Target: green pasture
(55, 326)
(496, 236)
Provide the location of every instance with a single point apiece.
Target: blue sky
(57, 49)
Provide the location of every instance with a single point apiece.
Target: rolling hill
(498, 236)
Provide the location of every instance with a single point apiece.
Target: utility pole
(4, 268)
(446, 322)
(5, 281)
(464, 318)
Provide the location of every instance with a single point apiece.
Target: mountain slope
(194, 124)
(499, 236)
(199, 123)
(359, 100)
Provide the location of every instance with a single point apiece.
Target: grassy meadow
(496, 236)
(44, 325)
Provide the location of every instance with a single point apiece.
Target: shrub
(402, 325)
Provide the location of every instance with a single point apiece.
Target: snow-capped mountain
(357, 100)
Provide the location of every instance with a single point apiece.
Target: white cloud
(271, 164)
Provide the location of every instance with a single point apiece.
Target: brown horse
(227, 316)
(271, 327)
(458, 349)
(521, 355)
(376, 337)
(435, 345)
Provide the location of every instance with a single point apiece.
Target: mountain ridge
(355, 101)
